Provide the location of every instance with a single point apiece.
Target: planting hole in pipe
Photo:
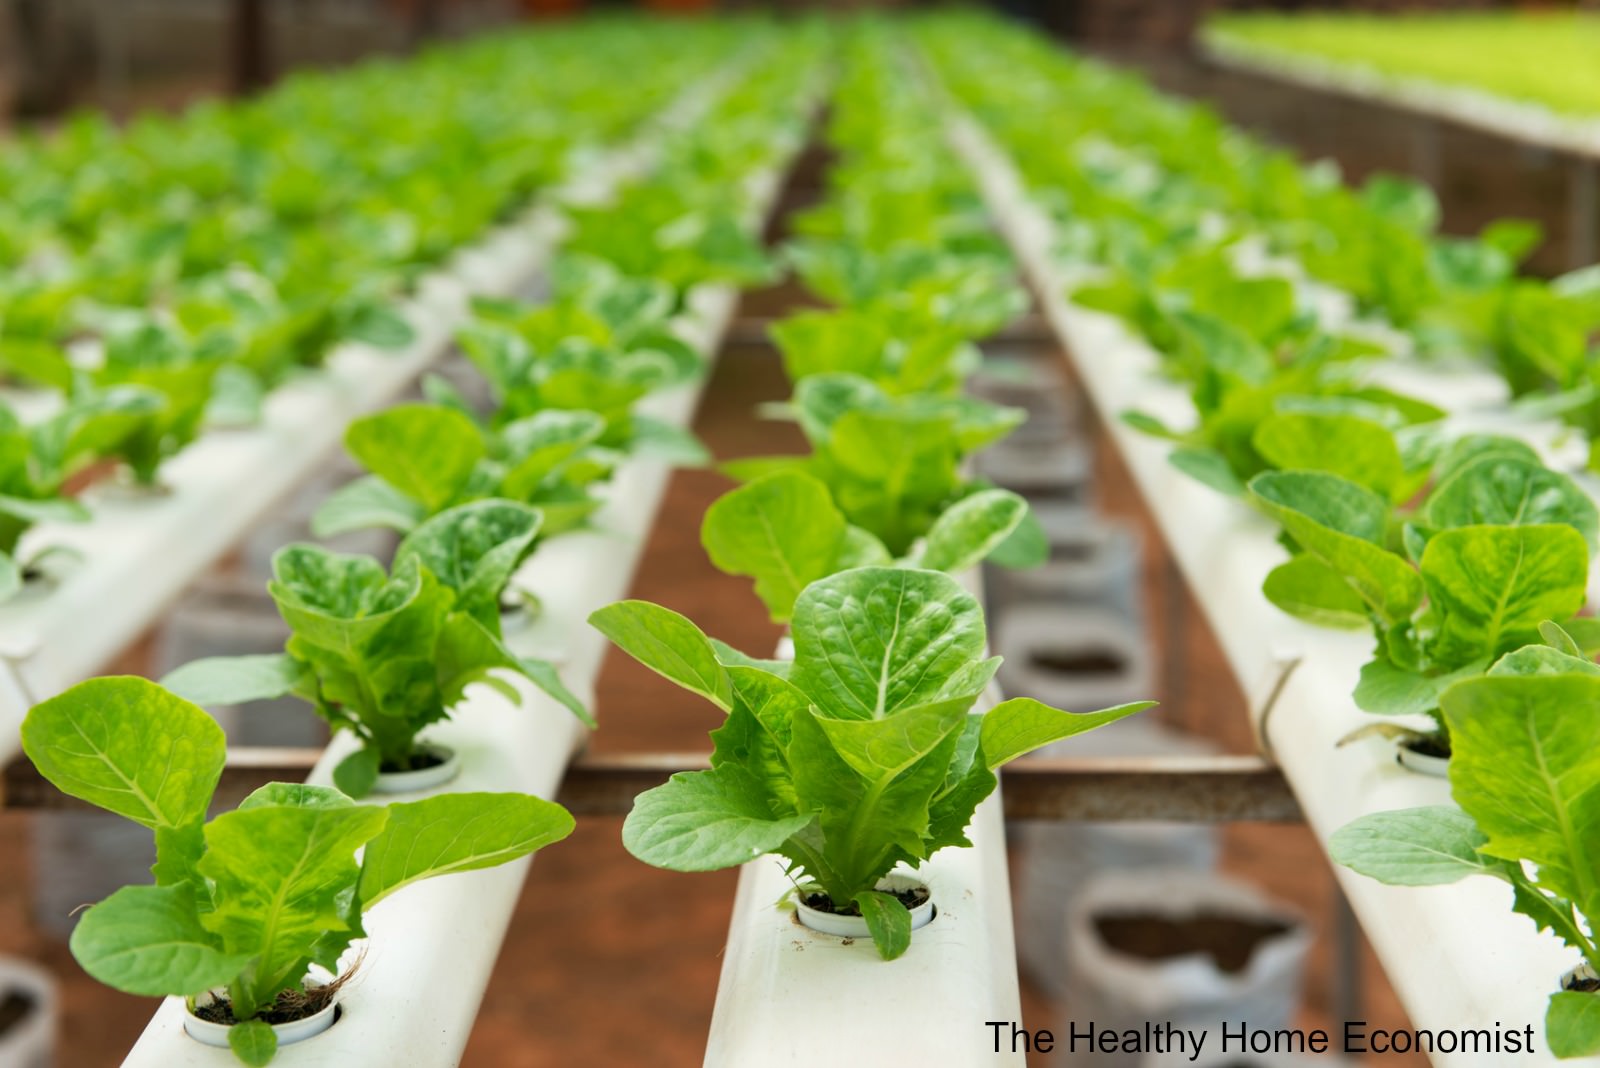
(29, 1015)
(295, 1017)
(1581, 980)
(816, 910)
(431, 765)
(1423, 755)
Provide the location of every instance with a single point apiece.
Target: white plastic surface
(1520, 121)
(792, 996)
(1457, 955)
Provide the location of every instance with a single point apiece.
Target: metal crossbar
(1206, 789)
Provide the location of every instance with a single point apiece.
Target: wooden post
(43, 80)
(251, 67)
(424, 21)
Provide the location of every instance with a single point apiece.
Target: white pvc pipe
(791, 996)
(1457, 955)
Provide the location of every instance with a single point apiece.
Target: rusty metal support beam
(1205, 789)
(248, 768)
(1216, 789)
(1029, 331)
(605, 784)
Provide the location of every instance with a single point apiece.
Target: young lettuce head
(251, 901)
(384, 654)
(1525, 771)
(784, 531)
(862, 754)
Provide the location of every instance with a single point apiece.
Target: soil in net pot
(287, 1007)
(912, 897)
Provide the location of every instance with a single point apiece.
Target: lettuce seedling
(900, 350)
(170, 374)
(427, 458)
(974, 295)
(669, 230)
(1269, 392)
(1501, 544)
(383, 655)
(891, 464)
(860, 755)
(269, 337)
(784, 531)
(255, 899)
(37, 460)
(557, 362)
(160, 359)
(1525, 770)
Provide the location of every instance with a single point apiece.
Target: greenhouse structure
(954, 534)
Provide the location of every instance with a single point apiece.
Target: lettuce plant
(1145, 183)
(567, 360)
(975, 294)
(160, 359)
(892, 464)
(1525, 772)
(1254, 417)
(338, 191)
(564, 378)
(592, 299)
(1499, 545)
(271, 333)
(906, 315)
(426, 459)
(668, 229)
(255, 900)
(784, 531)
(37, 460)
(862, 754)
(899, 349)
(384, 654)
(171, 370)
